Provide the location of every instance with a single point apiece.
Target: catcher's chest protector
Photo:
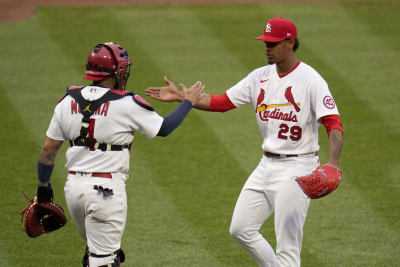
(88, 108)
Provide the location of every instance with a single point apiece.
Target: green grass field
(182, 189)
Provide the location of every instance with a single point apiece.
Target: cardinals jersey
(287, 108)
(115, 122)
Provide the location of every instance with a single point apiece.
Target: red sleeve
(221, 103)
(332, 122)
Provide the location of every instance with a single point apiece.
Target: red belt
(96, 174)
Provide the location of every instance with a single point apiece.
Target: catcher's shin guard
(119, 258)
(85, 259)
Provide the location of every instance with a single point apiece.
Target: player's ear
(290, 44)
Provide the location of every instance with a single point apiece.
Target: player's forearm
(175, 118)
(45, 167)
(203, 103)
(46, 160)
(335, 147)
(47, 156)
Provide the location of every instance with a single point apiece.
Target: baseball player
(100, 122)
(289, 99)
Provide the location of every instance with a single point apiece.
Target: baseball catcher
(320, 182)
(42, 215)
(99, 121)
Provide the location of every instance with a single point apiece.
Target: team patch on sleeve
(143, 103)
(329, 102)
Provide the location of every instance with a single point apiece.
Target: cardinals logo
(289, 97)
(273, 111)
(260, 98)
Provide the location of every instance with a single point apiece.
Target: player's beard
(270, 61)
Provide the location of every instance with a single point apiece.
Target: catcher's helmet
(107, 59)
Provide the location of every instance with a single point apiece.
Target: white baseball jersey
(287, 108)
(115, 122)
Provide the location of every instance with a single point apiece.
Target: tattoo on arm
(335, 145)
(49, 151)
(47, 157)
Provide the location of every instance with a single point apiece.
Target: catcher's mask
(108, 59)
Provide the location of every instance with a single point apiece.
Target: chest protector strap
(87, 109)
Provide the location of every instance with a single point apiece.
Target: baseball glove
(320, 182)
(42, 218)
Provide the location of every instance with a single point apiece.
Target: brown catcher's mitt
(320, 182)
(42, 218)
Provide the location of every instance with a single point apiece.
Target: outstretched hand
(168, 93)
(194, 93)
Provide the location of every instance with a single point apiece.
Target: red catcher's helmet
(107, 59)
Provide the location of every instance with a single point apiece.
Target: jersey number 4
(293, 132)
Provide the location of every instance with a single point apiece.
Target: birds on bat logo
(260, 106)
(272, 111)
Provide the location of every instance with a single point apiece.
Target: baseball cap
(278, 29)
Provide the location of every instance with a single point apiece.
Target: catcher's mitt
(320, 182)
(42, 218)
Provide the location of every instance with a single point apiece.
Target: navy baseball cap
(278, 29)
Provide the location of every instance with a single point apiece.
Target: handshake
(170, 93)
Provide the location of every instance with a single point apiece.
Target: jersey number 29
(294, 135)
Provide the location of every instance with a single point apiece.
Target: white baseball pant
(100, 219)
(272, 188)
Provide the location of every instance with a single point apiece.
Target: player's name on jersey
(102, 110)
(277, 115)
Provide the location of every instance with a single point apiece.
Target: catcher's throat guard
(41, 218)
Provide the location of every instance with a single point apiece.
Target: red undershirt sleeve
(221, 103)
(331, 122)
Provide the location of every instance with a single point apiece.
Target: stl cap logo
(288, 34)
(268, 28)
